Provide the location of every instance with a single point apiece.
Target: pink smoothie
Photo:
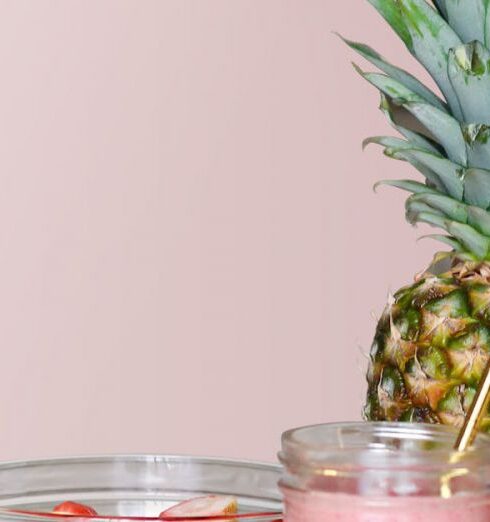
(340, 507)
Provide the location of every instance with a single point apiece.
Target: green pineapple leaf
(479, 219)
(433, 219)
(441, 7)
(387, 141)
(472, 240)
(467, 17)
(448, 143)
(405, 78)
(431, 39)
(477, 187)
(406, 184)
(393, 143)
(390, 11)
(448, 240)
(397, 92)
(477, 138)
(469, 73)
(395, 114)
(443, 127)
(432, 179)
(454, 210)
(415, 208)
(476, 217)
(447, 172)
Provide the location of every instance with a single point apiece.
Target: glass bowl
(136, 486)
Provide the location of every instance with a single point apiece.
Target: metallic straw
(478, 409)
(468, 433)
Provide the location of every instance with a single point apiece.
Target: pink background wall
(190, 249)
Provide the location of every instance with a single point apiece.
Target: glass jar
(135, 487)
(382, 472)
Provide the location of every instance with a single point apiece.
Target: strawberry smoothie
(334, 507)
(381, 472)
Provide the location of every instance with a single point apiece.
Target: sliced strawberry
(210, 506)
(73, 508)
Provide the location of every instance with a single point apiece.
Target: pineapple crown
(446, 139)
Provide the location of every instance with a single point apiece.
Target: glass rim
(40, 516)
(15, 514)
(301, 452)
(111, 457)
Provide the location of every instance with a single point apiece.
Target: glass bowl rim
(23, 515)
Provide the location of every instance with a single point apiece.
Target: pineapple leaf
(467, 18)
(394, 114)
(476, 217)
(486, 39)
(432, 219)
(406, 184)
(447, 172)
(479, 219)
(398, 92)
(470, 238)
(387, 141)
(452, 209)
(445, 129)
(405, 78)
(441, 6)
(432, 179)
(448, 240)
(431, 39)
(469, 73)
(477, 138)
(477, 188)
(390, 11)
(393, 143)
(415, 208)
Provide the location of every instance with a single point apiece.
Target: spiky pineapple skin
(431, 347)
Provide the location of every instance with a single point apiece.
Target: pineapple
(432, 343)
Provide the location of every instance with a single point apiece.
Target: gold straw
(473, 419)
(468, 433)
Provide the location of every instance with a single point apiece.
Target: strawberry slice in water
(209, 506)
(75, 509)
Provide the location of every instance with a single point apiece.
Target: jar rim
(379, 445)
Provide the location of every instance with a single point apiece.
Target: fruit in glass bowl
(208, 506)
(75, 509)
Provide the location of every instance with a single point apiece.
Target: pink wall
(190, 249)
